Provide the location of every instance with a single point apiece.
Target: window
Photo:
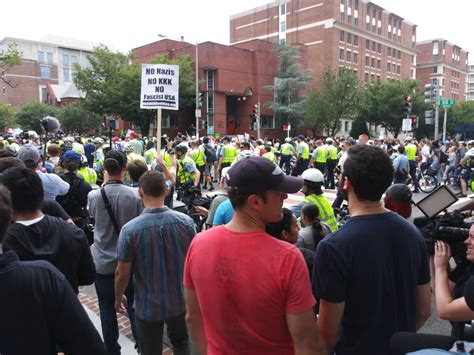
(210, 102)
(372, 77)
(356, 40)
(282, 9)
(355, 58)
(398, 69)
(346, 126)
(435, 57)
(341, 54)
(379, 47)
(348, 56)
(210, 80)
(73, 60)
(40, 57)
(434, 70)
(388, 67)
(356, 4)
(283, 26)
(366, 77)
(367, 44)
(49, 57)
(373, 46)
(372, 63)
(389, 51)
(65, 59)
(349, 38)
(349, 19)
(399, 54)
(45, 72)
(169, 121)
(379, 64)
(87, 63)
(267, 122)
(367, 61)
(342, 36)
(356, 21)
(343, 17)
(66, 76)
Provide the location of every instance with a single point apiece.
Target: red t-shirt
(246, 283)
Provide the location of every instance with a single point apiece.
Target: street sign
(406, 124)
(286, 127)
(198, 113)
(446, 102)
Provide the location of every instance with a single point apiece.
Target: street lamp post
(198, 110)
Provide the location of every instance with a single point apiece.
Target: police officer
(302, 159)
(187, 171)
(331, 163)
(227, 153)
(287, 151)
(197, 154)
(312, 189)
(269, 154)
(410, 152)
(319, 158)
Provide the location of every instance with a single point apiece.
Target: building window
(435, 58)
(282, 9)
(388, 67)
(346, 126)
(372, 77)
(367, 44)
(372, 63)
(356, 40)
(367, 61)
(399, 54)
(283, 26)
(40, 57)
(210, 80)
(355, 58)
(343, 16)
(349, 38)
(341, 36)
(66, 76)
(169, 121)
(366, 77)
(341, 54)
(389, 52)
(45, 72)
(65, 59)
(49, 57)
(349, 19)
(379, 64)
(398, 69)
(356, 4)
(73, 60)
(267, 122)
(356, 21)
(434, 70)
(374, 46)
(379, 47)
(348, 56)
(87, 63)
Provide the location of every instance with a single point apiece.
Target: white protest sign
(406, 124)
(160, 86)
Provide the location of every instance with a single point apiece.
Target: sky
(124, 25)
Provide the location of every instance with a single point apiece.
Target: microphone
(50, 124)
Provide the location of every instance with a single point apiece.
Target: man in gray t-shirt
(125, 205)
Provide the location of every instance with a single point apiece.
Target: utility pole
(258, 120)
(445, 120)
(436, 134)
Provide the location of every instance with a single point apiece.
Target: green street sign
(446, 102)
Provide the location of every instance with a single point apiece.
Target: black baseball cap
(255, 174)
(115, 158)
(399, 192)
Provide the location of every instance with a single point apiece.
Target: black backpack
(210, 154)
(443, 157)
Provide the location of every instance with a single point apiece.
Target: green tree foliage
(338, 97)
(359, 126)
(383, 103)
(291, 80)
(113, 85)
(7, 117)
(29, 115)
(460, 113)
(76, 119)
(8, 60)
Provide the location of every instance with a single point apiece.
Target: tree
(359, 126)
(75, 118)
(7, 116)
(8, 60)
(338, 97)
(112, 85)
(291, 80)
(460, 113)
(29, 115)
(383, 103)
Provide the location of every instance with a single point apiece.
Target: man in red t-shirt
(245, 291)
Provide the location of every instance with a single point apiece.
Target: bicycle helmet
(128, 148)
(181, 148)
(329, 141)
(313, 175)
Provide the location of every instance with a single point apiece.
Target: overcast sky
(123, 25)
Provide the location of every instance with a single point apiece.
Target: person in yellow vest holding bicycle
(286, 153)
(312, 189)
(411, 152)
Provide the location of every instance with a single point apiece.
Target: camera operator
(459, 308)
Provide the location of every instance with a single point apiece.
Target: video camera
(449, 227)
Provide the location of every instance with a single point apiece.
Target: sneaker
(211, 188)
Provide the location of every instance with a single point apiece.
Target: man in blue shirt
(153, 247)
(372, 275)
(401, 166)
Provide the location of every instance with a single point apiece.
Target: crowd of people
(258, 278)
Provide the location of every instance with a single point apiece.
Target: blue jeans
(104, 286)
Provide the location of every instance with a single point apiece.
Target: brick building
(48, 62)
(357, 34)
(232, 79)
(446, 62)
(470, 83)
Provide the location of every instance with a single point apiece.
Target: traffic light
(431, 92)
(407, 109)
(255, 116)
(414, 121)
(201, 99)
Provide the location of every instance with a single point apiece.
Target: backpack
(443, 157)
(210, 154)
